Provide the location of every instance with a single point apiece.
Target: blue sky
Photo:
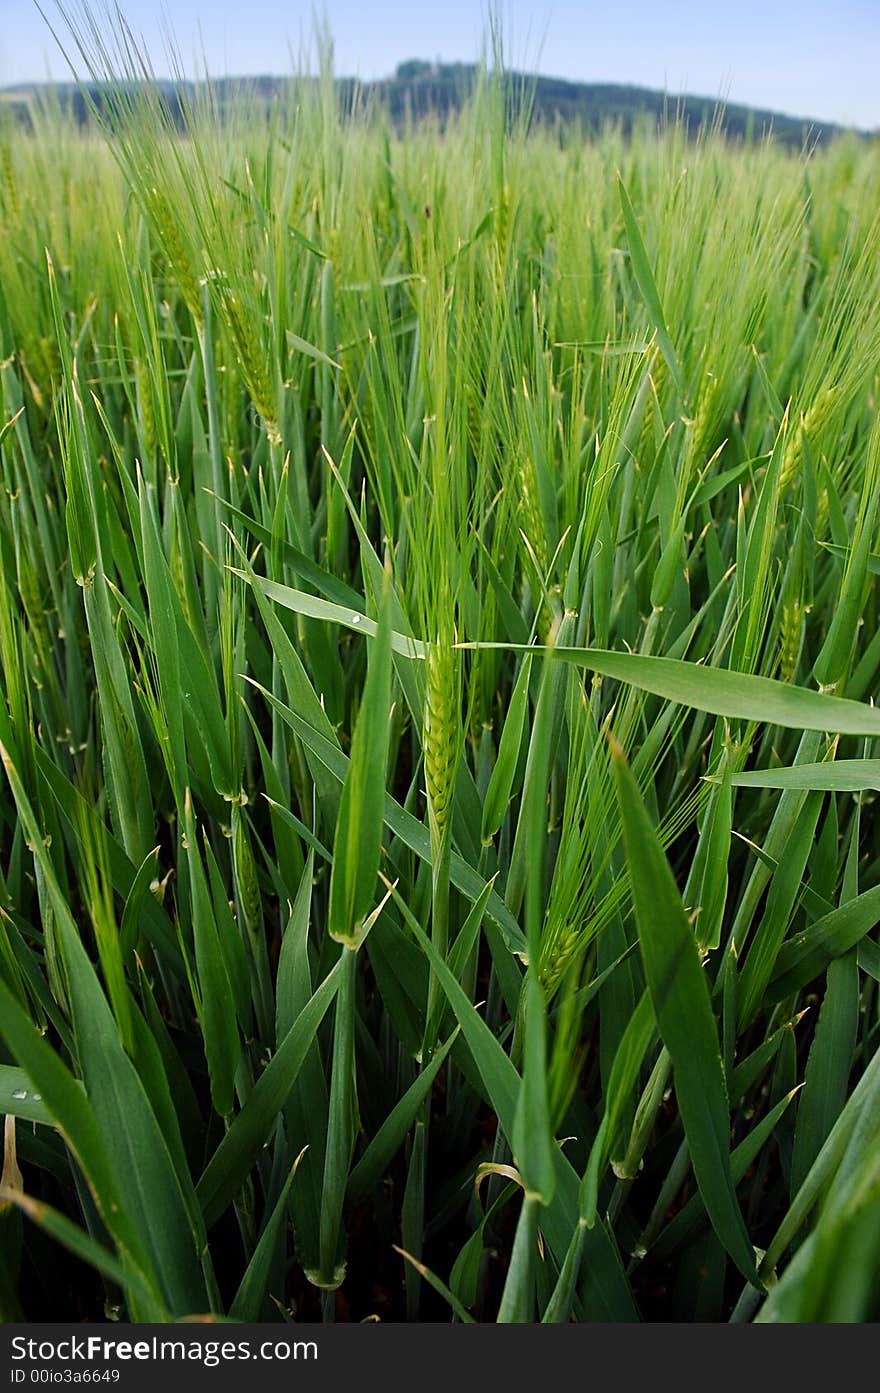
(799, 56)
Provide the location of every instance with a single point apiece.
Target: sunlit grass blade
(720, 692)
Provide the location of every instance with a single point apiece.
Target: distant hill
(419, 88)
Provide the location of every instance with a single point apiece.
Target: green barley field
(439, 878)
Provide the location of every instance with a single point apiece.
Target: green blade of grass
(806, 954)
(648, 286)
(19, 1098)
(624, 1075)
(833, 776)
(314, 608)
(305, 1112)
(216, 1003)
(253, 1289)
(150, 1187)
(439, 1286)
(412, 832)
(828, 1065)
(230, 1163)
(374, 1163)
(81, 1245)
(501, 780)
(682, 1226)
(720, 692)
(65, 1100)
(341, 1124)
(358, 838)
(608, 1291)
(682, 1006)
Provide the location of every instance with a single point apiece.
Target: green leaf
(736, 695)
(231, 1162)
(134, 901)
(358, 839)
(330, 586)
(216, 1002)
(648, 286)
(532, 1139)
(341, 1115)
(518, 1297)
(19, 1098)
(413, 833)
(314, 608)
(64, 1099)
(833, 660)
(559, 1307)
(706, 889)
(682, 1006)
(375, 1161)
(806, 955)
(439, 1286)
(253, 1289)
(149, 1182)
(305, 1112)
(833, 776)
(762, 952)
(79, 813)
(82, 1246)
(165, 639)
(687, 1220)
(303, 346)
(465, 1275)
(828, 1067)
(135, 1147)
(628, 1060)
(834, 1173)
(608, 1295)
(501, 781)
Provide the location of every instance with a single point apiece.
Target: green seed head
(441, 734)
(812, 424)
(791, 638)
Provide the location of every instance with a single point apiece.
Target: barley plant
(438, 652)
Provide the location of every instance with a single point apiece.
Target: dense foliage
(438, 643)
